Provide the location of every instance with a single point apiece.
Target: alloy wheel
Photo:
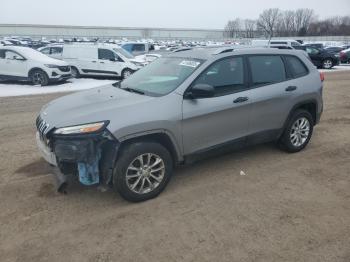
(327, 64)
(300, 132)
(38, 78)
(145, 173)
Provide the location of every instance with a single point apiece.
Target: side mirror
(201, 91)
(112, 59)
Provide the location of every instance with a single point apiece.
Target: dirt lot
(288, 207)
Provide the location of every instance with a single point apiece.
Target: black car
(334, 49)
(321, 57)
(316, 45)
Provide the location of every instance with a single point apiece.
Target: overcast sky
(153, 13)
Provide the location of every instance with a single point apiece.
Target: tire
(327, 63)
(75, 72)
(39, 77)
(293, 140)
(136, 184)
(126, 73)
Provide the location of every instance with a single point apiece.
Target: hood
(94, 105)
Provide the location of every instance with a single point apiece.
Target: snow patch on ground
(343, 67)
(12, 88)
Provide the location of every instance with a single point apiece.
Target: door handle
(291, 88)
(93, 61)
(102, 62)
(240, 99)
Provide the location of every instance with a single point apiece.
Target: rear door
(83, 57)
(272, 95)
(208, 122)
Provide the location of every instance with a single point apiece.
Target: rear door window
(266, 69)
(297, 67)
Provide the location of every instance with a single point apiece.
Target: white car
(24, 63)
(147, 58)
(99, 60)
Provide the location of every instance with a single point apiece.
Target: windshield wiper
(133, 90)
(129, 89)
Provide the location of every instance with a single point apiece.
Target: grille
(42, 127)
(64, 68)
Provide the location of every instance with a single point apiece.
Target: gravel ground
(288, 207)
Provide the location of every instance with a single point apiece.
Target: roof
(207, 53)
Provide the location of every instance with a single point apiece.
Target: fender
(177, 148)
(298, 105)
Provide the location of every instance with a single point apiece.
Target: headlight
(52, 66)
(81, 129)
(137, 63)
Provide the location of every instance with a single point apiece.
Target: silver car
(131, 134)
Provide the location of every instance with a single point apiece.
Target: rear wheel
(142, 171)
(39, 77)
(298, 132)
(327, 63)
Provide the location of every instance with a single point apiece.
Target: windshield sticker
(189, 63)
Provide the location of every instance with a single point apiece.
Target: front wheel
(298, 132)
(142, 171)
(75, 72)
(39, 77)
(126, 73)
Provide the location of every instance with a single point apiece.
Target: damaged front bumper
(90, 157)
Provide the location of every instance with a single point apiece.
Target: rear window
(297, 67)
(267, 69)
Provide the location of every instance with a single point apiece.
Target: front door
(109, 62)
(208, 122)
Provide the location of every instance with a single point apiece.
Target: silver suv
(131, 134)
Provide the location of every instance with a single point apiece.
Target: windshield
(123, 53)
(162, 76)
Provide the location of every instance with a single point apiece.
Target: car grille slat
(64, 68)
(42, 127)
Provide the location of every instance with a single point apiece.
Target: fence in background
(133, 33)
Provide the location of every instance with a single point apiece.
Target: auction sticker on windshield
(189, 63)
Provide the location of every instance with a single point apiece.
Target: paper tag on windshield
(189, 63)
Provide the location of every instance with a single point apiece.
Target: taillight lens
(322, 76)
(342, 54)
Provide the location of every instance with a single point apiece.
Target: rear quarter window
(296, 67)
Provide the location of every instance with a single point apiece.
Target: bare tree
(233, 27)
(303, 19)
(267, 21)
(249, 28)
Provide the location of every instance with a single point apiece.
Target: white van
(99, 60)
(276, 42)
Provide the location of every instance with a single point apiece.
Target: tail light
(342, 54)
(322, 76)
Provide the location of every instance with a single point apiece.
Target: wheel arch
(160, 136)
(36, 68)
(308, 105)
